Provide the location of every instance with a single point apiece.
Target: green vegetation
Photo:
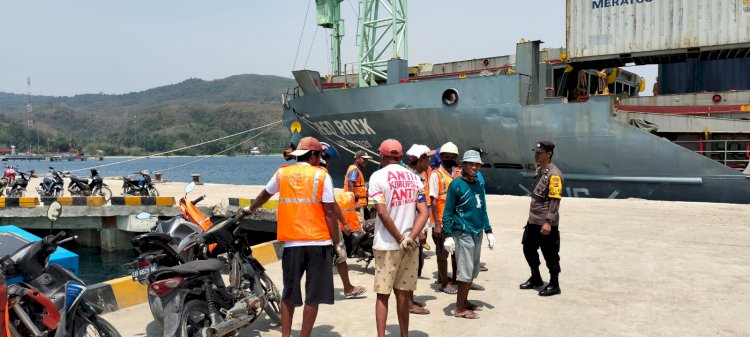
(151, 121)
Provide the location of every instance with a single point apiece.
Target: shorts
(468, 251)
(317, 263)
(395, 270)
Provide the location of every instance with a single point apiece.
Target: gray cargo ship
(504, 105)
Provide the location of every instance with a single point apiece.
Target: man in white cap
(418, 157)
(464, 220)
(440, 179)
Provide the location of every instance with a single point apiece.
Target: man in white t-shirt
(402, 213)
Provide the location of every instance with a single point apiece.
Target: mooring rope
(179, 149)
(220, 152)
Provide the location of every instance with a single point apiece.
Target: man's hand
(546, 228)
(437, 231)
(491, 240)
(243, 212)
(408, 245)
(449, 245)
(347, 230)
(340, 251)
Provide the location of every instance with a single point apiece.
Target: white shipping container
(600, 29)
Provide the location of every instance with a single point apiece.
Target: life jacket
(359, 186)
(300, 211)
(345, 200)
(444, 180)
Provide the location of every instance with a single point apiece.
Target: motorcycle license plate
(141, 273)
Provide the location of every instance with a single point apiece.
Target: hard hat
(449, 147)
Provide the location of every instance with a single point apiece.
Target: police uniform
(546, 193)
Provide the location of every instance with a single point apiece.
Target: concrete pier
(111, 227)
(629, 268)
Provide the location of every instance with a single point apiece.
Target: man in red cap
(402, 213)
(306, 224)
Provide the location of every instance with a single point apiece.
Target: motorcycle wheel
(157, 309)
(16, 193)
(75, 191)
(103, 191)
(265, 285)
(153, 192)
(194, 317)
(99, 327)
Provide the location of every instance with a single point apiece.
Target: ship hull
(599, 156)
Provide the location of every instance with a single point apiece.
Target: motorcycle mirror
(54, 211)
(190, 187)
(143, 216)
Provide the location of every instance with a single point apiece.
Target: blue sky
(114, 47)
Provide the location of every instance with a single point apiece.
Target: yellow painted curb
(128, 292)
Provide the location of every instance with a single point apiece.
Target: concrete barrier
(19, 202)
(142, 201)
(123, 292)
(242, 202)
(76, 201)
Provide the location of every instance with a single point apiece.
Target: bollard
(157, 176)
(196, 178)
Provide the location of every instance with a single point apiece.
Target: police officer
(541, 229)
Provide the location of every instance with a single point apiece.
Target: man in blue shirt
(464, 219)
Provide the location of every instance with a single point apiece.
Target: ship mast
(329, 16)
(382, 27)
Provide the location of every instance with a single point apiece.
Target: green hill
(150, 121)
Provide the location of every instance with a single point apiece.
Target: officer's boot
(534, 282)
(553, 288)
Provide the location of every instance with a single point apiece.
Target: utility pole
(29, 121)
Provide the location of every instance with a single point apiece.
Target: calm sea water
(97, 266)
(243, 170)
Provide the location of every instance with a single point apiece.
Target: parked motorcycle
(196, 300)
(142, 186)
(170, 243)
(52, 186)
(82, 186)
(362, 242)
(17, 187)
(49, 301)
(8, 176)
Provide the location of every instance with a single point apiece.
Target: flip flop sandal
(358, 291)
(419, 311)
(483, 268)
(419, 304)
(475, 286)
(449, 290)
(466, 314)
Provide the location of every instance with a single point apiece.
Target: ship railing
(524, 89)
(734, 153)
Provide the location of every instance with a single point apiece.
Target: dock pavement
(629, 268)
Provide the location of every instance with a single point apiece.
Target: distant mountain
(153, 120)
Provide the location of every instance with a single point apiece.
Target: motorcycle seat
(76, 179)
(163, 237)
(196, 267)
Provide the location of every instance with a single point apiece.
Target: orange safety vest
(359, 186)
(444, 180)
(300, 211)
(345, 200)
